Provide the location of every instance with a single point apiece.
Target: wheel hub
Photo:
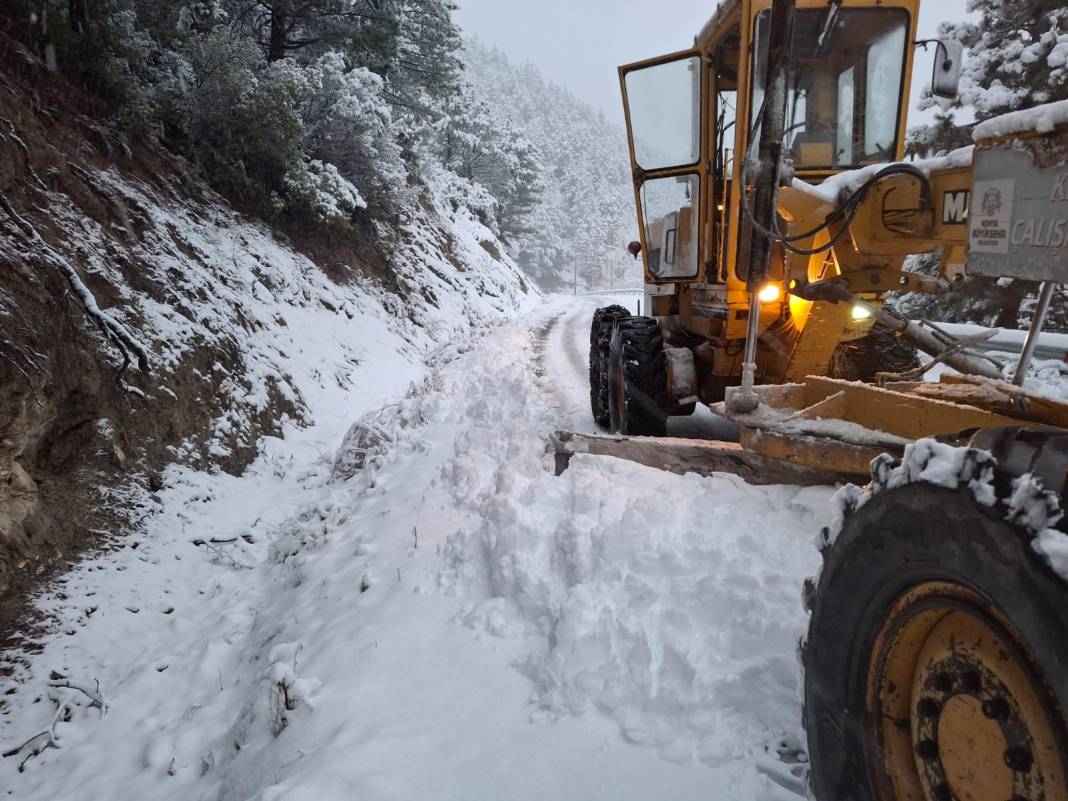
(959, 712)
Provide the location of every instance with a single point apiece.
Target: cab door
(664, 102)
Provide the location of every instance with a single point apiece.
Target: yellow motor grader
(776, 214)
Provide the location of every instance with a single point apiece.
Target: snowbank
(430, 613)
(1040, 119)
(665, 603)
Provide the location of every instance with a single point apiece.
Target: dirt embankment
(82, 440)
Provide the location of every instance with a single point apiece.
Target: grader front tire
(936, 663)
(637, 378)
(604, 321)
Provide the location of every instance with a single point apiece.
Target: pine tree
(1017, 55)
(937, 139)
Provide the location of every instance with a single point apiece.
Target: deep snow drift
(429, 613)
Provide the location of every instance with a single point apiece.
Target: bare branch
(221, 555)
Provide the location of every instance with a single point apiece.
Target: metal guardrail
(1051, 346)
(1042, 352)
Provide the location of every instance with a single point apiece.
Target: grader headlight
(769, 293)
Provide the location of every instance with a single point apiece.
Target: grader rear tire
(936, 663)
(604, 320)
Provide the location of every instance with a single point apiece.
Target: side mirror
(634, 248)
(949, 59)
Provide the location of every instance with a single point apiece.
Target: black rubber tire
(879, 352)
(898, 539)
(604, 320)
(637, 378)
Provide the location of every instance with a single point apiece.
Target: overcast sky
(579, 43)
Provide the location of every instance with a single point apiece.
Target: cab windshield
(845, 83)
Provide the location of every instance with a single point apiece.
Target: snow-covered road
(430, 613)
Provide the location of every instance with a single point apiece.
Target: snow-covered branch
(42, 740)
(96, 700)
(220, 554)
(116, 332)
(65, 706)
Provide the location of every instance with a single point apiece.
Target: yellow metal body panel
(799, 336)
(899, 216)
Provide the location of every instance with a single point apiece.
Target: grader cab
(776, 214)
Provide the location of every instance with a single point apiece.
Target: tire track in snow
(579, 362)
(561, 361)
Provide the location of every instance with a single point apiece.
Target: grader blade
(703, 457)
(825, 430)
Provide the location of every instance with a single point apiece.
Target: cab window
(664, 107)
(845, 84)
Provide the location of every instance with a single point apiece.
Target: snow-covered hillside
(231, 284)
(234, 330)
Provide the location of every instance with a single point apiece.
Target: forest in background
(328, 116)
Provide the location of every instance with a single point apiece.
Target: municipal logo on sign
(989, 229)
(955, 207)
(991, 201)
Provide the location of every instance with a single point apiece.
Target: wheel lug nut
(943, 682)
(972, 682)
(928, 708)
(1018, 758)
(927, 749)
(941, 792)
(996, 708)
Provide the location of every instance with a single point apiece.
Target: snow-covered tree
(348, 123)
(337, 112)
(937, 138)
(586, 192)
(1017, 55)
(319, 193)
(485, 146)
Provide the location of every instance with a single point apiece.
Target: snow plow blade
(703, 457)
(827, 431)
